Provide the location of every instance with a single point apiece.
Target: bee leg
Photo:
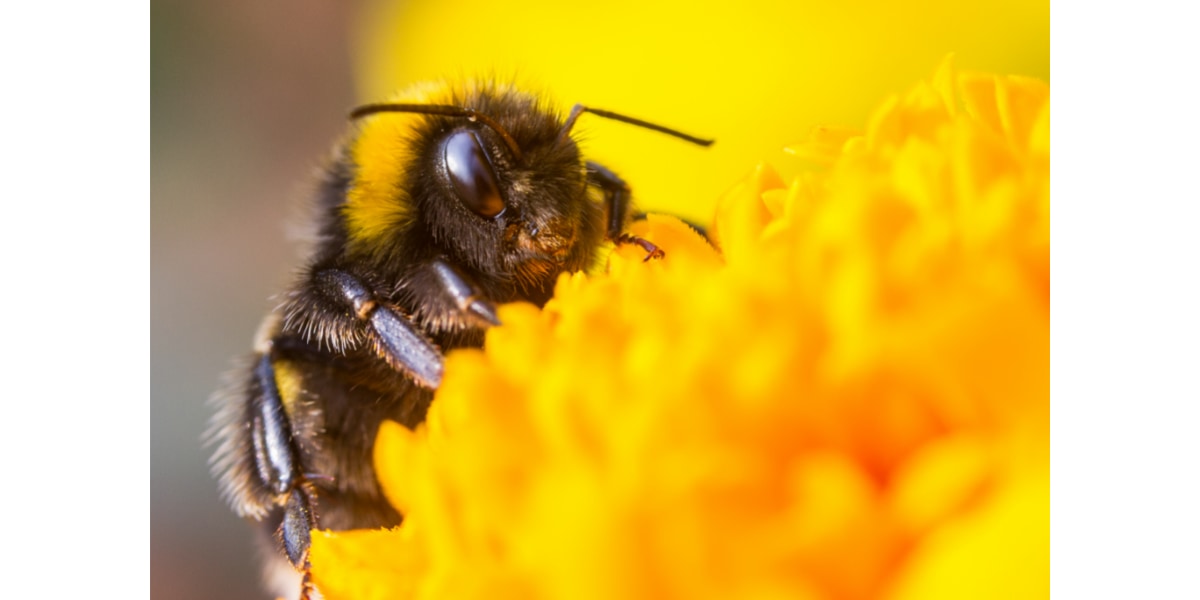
(652, 251)
(466, 296)
(393, 335)
(616, 198)
(298, 523)
(307, 589)
(271, 433)
(278, 465)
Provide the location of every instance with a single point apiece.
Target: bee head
(486, 175)
(511, 194)
(487, 180)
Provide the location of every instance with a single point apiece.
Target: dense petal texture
(849, 399)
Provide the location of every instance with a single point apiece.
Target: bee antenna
(579, 109)
(439, 109)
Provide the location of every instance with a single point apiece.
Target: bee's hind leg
(308, 591)
(281, 578)
(278, 462)
(278, 465)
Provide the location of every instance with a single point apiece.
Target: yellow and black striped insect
(435, 208)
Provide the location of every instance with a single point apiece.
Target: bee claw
(484, 310)
(464, 293)
(652, 251)
(308, 591)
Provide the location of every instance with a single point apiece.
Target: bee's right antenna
(579, 109)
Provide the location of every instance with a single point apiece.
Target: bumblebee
(435, 209)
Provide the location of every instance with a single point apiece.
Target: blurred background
(247, 97)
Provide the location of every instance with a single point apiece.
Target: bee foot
(296, 527)
(308, 591)
(652, 251)
(466, 295)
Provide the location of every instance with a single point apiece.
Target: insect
(436, 208)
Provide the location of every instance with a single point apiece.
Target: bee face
(526, 216)
(505, 193)
(436, 208)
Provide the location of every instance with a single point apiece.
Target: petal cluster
(844, 395)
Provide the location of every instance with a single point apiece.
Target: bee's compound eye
(472, 174)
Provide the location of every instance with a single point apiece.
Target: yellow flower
(849, 400)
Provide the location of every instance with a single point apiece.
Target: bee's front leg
(466, 296)
(616, 200)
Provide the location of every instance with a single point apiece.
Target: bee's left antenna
(439, 109)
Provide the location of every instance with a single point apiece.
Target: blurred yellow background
(755, 74)
(247, 97)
